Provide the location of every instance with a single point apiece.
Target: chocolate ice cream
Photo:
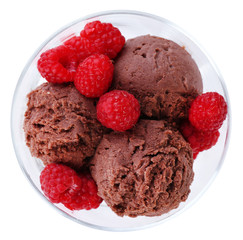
(60, 125)
(161, 74)
(145, 171)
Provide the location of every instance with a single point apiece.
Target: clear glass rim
(142, 14)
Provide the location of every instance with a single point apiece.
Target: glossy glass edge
(143, 14)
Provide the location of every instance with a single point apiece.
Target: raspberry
(118, 110)
(195, 155)
(208, 111)
(59, 182)
(87, 197)
(103, 38)
(78, 45)
(62, 184)
(199, 140)
(94, 75)
(58, 65)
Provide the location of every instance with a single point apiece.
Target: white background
(216, 25)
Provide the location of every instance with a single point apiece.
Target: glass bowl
(131, 24)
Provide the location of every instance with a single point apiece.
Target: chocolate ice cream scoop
(145, 171)
(60, 125)
(161, 74)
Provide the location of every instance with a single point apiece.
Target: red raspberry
(199, 140)
(59, 182)
(195, 155)
(208, 111)
(58, 65)
(118, 110)
(103, 38)
(87, 197)
(94, 75)
(78, 45)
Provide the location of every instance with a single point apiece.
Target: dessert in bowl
(146, 171)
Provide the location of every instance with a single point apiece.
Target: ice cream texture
(60, 125)
(161, 74)
(145, 171)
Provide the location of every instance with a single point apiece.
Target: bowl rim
(199, 46)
